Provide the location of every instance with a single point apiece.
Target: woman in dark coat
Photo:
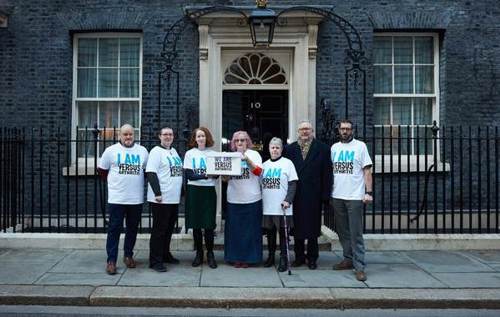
(311, 159)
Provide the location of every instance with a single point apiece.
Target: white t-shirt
(275, 178)
(126, 173)
(348, 161)
(196, 160)
(245, 189)
(168, 167)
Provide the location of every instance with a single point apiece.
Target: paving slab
(93, 279)
(22, 272)
(446, 262)
(486, 256)
(470, 280)
(212, 297)
(382, 257)
(34, 255)
(228, 276)
(320, 278)
(400, 276)
(44, 295)
(495, 267)
(177, 275)
(82, 261)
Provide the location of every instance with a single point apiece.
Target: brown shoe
(345, 264)
(111, 268)
(129, 262)
(361, 276)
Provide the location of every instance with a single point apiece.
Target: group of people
(286, 192)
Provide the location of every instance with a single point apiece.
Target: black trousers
(164, 218)
(312, 249)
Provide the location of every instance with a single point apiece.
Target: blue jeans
(132, 215)
(349, 226)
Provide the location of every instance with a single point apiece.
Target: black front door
(262, 113)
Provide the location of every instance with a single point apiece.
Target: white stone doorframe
(222, 31)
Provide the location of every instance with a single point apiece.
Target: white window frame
(74, 111)
(386, 159)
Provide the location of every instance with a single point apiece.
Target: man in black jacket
(312, 162)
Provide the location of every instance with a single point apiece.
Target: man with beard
(311, 159)
(122, 165)
(352, 187)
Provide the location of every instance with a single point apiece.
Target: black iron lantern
(262, 22)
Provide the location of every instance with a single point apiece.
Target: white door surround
(222, 36)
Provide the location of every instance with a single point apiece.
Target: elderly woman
(279, 182)
(201, 199)
(242, 231)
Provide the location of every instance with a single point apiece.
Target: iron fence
(426, 180)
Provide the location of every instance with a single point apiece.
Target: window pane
(382, 50)
(403, 50)
(423, 140)
(87, 52)
(108, 82)
(87, 86)
(87, 114)
(400, 141)
(403, 79)
(401, 111)
(383, 79)
(129, 52)
(108, 114)
(424, 50)
(382, 140)
(129, 82)
(424, 79)
(423, 110)
(86, 144)
(108, 52)
(130, 113)
(382, 110)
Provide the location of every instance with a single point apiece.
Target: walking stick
(286, 241)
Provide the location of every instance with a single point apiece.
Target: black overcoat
(313, 188)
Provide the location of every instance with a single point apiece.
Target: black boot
(198, 259)
(271, 246)
(209, 243)
(211, 260)
(198, 245)
(283, 266)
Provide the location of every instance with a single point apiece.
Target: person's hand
(158, 198)
(244, 158)
(285, 204)
(225, 178)
(367, 199)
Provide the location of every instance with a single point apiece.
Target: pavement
(396, 279)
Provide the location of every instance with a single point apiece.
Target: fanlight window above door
(255, 69)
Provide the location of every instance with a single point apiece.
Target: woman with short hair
(164, 173)
(279, 182)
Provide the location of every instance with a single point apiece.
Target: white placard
(224, 163)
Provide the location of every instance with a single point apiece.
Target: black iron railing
(426, 180)
(433, 180)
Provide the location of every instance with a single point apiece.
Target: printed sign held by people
(224, 163)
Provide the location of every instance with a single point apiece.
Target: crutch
(286, 240)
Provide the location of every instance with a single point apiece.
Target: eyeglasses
(240, 140)
(345, 129)
(166, 134)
